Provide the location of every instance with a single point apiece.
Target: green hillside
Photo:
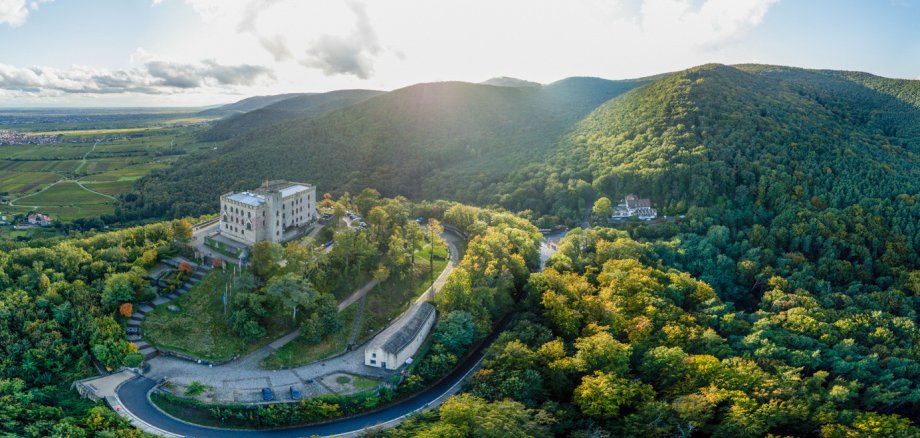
(813, 175)
(786, 171)
(297, 107)
(699, 136)
(246, 105)
(440, 139)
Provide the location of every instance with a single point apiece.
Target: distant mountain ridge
(685, 138)
(246, 105)
(396, 141)
(299, 106)
(504, 81)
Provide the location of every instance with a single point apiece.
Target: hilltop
(419, 141)
(505, 81)
(299, 106)
(245, 105)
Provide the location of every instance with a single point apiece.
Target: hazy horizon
(194, 53)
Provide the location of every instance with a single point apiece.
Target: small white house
(395, 346)
(634, 206)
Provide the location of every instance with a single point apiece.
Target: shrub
(134, 360)
(195, 388)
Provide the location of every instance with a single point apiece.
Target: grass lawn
(200, 327)
(388, 300)
(66, 193)
(344, 383)
(298, 352)
(360, 383)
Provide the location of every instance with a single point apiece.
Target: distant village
(16, 137)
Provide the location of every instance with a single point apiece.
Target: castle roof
(247, 198)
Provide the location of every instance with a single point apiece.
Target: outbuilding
(393, 347)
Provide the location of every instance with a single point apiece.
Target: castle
(272, 212)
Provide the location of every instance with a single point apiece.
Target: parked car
(295, 393)
(267, 394)
(420, 220)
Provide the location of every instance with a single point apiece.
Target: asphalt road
(133, 395)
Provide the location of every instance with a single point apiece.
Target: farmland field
(60, 151)
(106, 155)
(25, 182)
(128, 173)
(110, 187)
(58, 166)
(63, 194)
(65, 213)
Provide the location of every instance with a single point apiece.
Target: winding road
(133, 394)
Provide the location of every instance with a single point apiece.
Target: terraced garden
(200, 328)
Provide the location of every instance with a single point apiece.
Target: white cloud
(155, 77)
(14, 12)
(325, 45)
(335, 38)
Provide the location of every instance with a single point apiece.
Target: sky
(81, 53)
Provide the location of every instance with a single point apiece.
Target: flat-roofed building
(393, 347)
(271, 212)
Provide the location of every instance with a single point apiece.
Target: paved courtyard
(242, 380)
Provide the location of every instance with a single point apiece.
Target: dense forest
(779, 297)
(400, 143)
(608, 341)
(61, 310)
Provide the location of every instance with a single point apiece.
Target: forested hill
(709, 134)
(246, 105)
(300, 106)
(455, 134)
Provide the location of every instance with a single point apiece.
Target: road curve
(133, 396)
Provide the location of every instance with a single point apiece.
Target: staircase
(134, 323)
